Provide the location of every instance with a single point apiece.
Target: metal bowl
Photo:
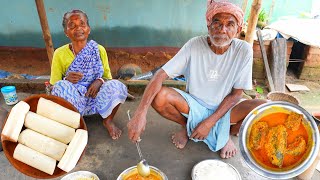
(133, 170)
(268, 108)
(81, 175)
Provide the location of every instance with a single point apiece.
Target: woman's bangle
(101, 80)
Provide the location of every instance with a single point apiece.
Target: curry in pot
(280, 140)
(134, 175)
(138, 177)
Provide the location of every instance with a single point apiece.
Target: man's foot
(229, 150)
(113, 130)
(180, 138)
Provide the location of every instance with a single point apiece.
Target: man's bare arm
(138, 122)
(151, 91)
(228, 102)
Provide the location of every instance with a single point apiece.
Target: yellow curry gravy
(289, 161)
(134, 175)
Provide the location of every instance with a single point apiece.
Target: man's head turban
(214, 8)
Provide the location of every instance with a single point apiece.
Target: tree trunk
(45, 29)
(271, 11)
(244, 6)
(253, 19)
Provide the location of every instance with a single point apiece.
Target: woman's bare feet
(180, 138)
(229, 150)
(113, 130)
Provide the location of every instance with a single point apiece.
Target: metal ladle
(142, 167)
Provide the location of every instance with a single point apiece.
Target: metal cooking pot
(132, 170)
(261, 111)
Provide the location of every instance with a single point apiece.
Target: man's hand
(138, 122)
(94, 88)
(74, 77)
(202, 130)
(135, 127)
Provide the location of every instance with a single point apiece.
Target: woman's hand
(94, 88)
(74, 77)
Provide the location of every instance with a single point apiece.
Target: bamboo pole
(244, 6)
(271, 11)
(45, 29)
(253, 19)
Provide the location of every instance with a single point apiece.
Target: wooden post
(253, 19)
(244, 6)
(45, 29)
(271, 11)
(265, 61)
(278, 65)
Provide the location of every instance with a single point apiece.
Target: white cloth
(211, 77)
(303, 30)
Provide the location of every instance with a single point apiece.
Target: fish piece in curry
(258, 135)
(293, 121)
(276, 144)
(298, 147)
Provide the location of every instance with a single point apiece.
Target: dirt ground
(108, 158)
(310, 100)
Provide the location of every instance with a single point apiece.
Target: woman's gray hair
(64, 20)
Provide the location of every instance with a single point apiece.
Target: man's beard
(220, 44)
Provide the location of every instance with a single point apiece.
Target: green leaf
(259, 90)
(263, 16)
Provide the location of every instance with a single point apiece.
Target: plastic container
(9, 94)
(48, 87)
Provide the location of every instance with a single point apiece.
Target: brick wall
(312, 56)
(311, 68)
(258, 65)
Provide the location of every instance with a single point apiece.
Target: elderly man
(217, 67)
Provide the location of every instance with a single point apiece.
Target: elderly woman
(80, 73)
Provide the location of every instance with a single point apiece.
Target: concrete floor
(108, 158)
